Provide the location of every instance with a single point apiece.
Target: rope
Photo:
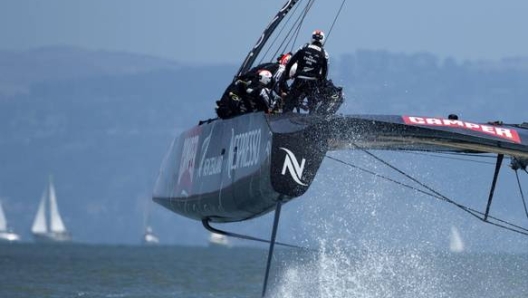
(335, 19)
(289, 18)
(298, 29)
(435, 194)
(454, 158)
(290, 38)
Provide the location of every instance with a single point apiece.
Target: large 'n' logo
(292, 165)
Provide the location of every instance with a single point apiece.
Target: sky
(222, 31)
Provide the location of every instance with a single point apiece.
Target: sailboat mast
(252, 55)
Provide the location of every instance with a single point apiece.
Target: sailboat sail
(39, 224)
(56, 224)
(48, 225)
(456, 244)
(5, 233)
(3, 222)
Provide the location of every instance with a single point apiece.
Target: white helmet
(264, 76)
(293, 70)
(318, 36)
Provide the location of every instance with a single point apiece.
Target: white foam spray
(356, 256)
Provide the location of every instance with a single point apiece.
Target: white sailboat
(218, 240)
(5, 233)
(149, 238)
(48, 225)
(456, 243)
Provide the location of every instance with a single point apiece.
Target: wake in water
(367, 273)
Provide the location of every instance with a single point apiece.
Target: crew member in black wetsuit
(249, 93)
(278, 70)
(310, 65)
(236, 100)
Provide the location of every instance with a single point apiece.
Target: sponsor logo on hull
(497, 131)
(291, 164)
(188, 158)
(209, 166)
(244, 150)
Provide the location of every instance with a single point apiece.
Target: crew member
(310, 67)
(247, 94)
(236, 100)
(278, 85)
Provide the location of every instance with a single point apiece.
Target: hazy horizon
(188, 31)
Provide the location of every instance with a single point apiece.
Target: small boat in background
(5, 232)
(218, 240)
(48, 225)
(149, 238)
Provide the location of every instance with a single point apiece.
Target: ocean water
(31, 270)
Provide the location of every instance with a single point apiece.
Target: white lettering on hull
(212, 166)
(501, 132)
(244, 150)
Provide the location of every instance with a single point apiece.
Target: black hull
(237, 169)
(230, 170)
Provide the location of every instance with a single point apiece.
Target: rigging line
(452, 158)
(505, 225)
(509, 227)
(402, 173)
(295, 28)
(335, 19)
(522, 194)
(380, 176)
(444, 198)
(471, 211)
(289, 18)
(475, 213)
(293, 33)
(298, 29)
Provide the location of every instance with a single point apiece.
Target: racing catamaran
(237, 169)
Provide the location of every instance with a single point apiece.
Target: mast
(252, 55)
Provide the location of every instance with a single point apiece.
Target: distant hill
(61, 62)
(101, 122)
